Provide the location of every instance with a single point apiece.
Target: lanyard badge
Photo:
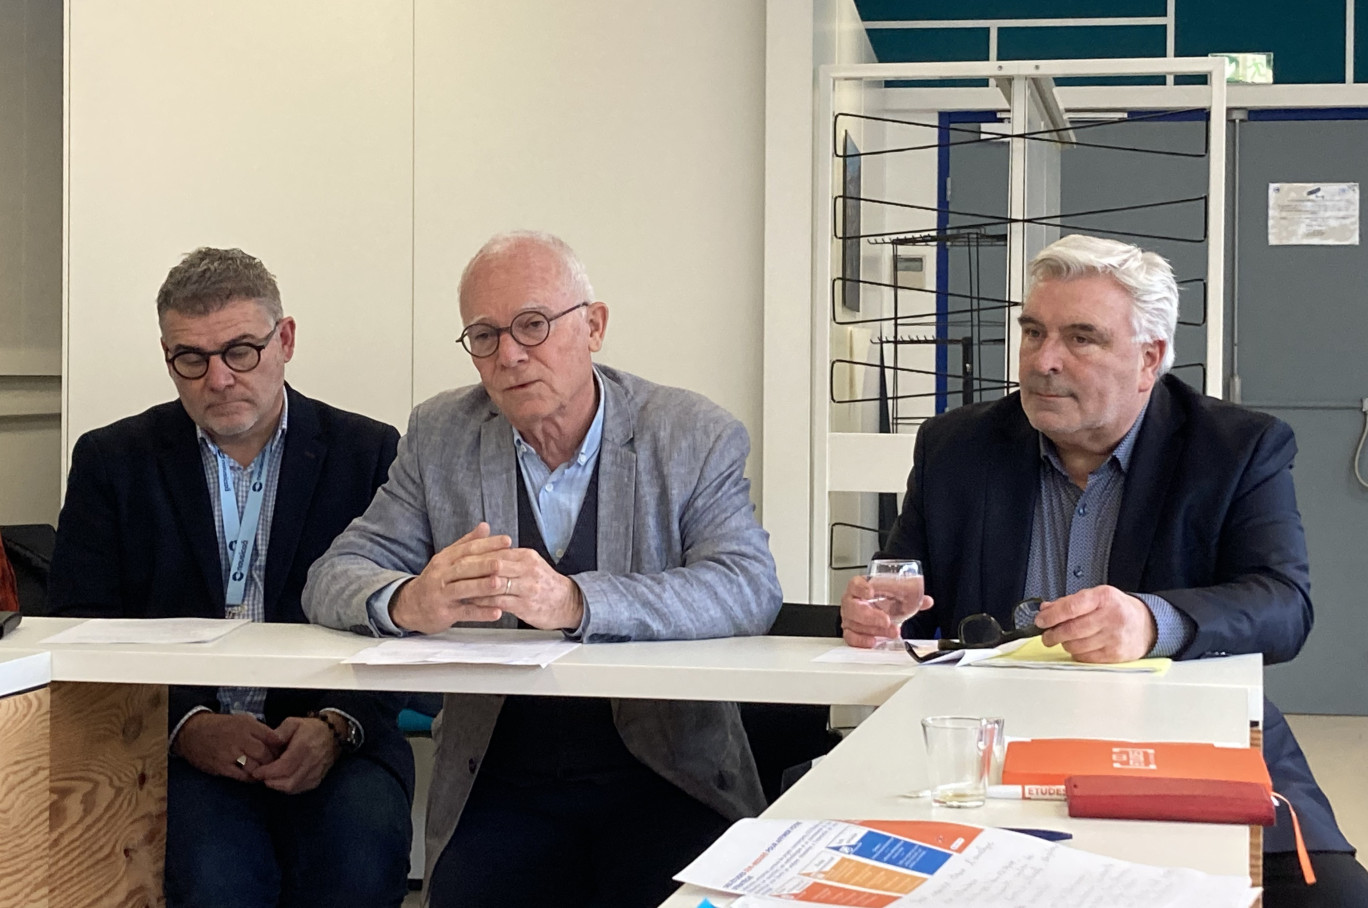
(239, 531)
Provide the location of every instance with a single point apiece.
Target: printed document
(898, 863)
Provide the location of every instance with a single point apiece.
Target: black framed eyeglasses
(239, 356)
(530, 329)
(982, 631)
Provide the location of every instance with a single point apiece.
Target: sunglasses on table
(982, 631)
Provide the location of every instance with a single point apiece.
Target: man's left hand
(1099, 624)
(534, 591)
(310, 751)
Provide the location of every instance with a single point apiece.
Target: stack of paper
(148, 630)
(1033, 653)
(429, 650)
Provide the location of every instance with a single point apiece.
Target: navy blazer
(136, 538)
(1208, 520)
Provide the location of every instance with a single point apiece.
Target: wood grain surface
(24, 799)
(108, 795)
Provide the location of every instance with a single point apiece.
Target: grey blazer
(680, 556)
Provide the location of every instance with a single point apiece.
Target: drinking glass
(897, 585)
(959, 757)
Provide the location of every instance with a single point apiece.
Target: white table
(868, 775)
(1209, 700)
(748, 669)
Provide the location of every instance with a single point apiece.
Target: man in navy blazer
(215, 505)
(1152, 519)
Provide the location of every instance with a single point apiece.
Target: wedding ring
(241, 761)
(508, 586)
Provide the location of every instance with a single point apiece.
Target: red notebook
(1124, 797)
(1050, 761)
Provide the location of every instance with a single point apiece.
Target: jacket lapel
(1011, 485)
(300, 465)
(1147, 484)
(499, 476)
(617, 480)
(182, 472)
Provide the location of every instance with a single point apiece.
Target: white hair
(1146, 276)
(572, 269)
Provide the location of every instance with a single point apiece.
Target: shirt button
(560, 553)
(1082, 510)
(1077, 572)
(550, 487)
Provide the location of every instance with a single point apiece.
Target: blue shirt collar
(1121, 454)
(279, 432)
(589, 448)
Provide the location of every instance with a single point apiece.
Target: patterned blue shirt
(1071, 537)
(246, 699)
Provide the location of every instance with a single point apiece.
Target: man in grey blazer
(562, 495)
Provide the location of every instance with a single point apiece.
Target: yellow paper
(1033, 653)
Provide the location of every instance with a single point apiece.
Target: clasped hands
(478, 578)
(290, 758)
(1100, 624)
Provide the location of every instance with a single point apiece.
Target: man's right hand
(863, 623)
(212, 743)
(436, 599)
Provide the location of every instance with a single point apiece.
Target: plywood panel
(108, 794)
(282, 128)
(24, 799)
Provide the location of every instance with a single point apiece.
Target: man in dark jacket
(1153, 520)
(215, 505)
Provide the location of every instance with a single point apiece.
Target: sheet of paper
(1032, 653)
(1313, 214)
(148, 630)
(434, 650)
(897, 863)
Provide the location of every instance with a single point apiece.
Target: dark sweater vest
(538, 739)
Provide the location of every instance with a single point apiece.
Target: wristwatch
(350, 740)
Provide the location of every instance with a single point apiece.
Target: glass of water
(897, 586)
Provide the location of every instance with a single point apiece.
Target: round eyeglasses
(529, 329)
(239, 356)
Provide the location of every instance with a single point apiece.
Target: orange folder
(1051, 761)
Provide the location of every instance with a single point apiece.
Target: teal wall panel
(1360, 43)
(891, 10)
(1306, 38)
(1081, 42)
(926, 45)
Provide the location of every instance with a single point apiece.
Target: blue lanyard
(239, 532)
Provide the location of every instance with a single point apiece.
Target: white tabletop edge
(23, 671)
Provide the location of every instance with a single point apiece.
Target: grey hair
(208, 279)
(1146, 276)
(573, 272)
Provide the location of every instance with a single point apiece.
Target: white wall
(635, 130)
(802, 35)
(283, 128)
(30, 259)
(365, 150)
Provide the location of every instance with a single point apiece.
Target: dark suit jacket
(1208, 520)
(136, 538)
